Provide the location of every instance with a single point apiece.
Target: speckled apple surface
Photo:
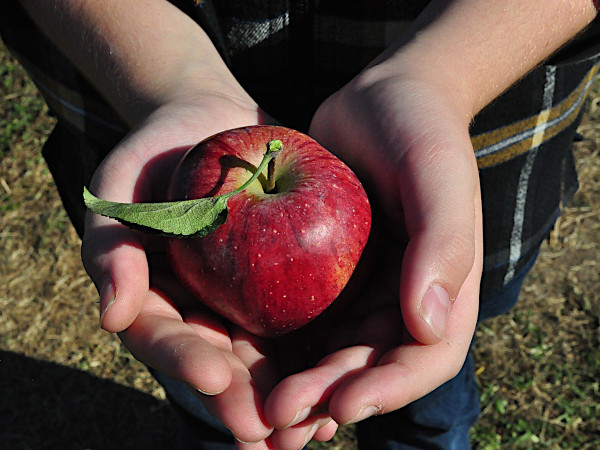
(284, 256)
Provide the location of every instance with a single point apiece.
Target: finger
(440, 212)
(298, 396)
(113, 255)
(115, 260)
(409, 371)
(391, 385)
(302, 394)
(160, 339)
(210, 327)
(297, 437)
(262, 445)
(252, 352)
(326, 432)
(240, 406)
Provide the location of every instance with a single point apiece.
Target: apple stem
(271, 176)
(273, 149)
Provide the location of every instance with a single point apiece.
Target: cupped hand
(423, 186)
(229, 370)
(411, 327)
(139, 296)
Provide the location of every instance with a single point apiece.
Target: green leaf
(196, 218)
(188, 218)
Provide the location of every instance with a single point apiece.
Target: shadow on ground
(44, 405)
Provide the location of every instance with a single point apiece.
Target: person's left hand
(411, 143)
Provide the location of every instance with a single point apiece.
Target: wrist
(193, 74)
(479, 49)
(138, 54)
(195, 87)
(427, 80)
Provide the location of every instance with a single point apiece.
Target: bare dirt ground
(65, 384)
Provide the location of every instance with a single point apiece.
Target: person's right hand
(157, 319)
(139, 297)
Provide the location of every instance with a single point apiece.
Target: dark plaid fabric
(526, 165)
(301, 50)
(304, 50)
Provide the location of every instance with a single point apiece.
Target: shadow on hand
(156, 175)
(45, 405)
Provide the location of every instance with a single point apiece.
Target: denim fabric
(443, 418)
(440, 420)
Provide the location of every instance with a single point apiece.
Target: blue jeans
(440, 420)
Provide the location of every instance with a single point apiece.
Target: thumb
(116, 262)
(112, 254)
(439, 189)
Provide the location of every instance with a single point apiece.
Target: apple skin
(282, 257)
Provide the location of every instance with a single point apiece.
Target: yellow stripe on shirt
(505, 143)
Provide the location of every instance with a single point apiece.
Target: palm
(415, 157)
(162, 327)
(157, 319)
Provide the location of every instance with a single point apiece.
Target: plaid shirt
(522, 140)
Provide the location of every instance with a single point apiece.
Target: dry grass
(539, 366)
(66, 384)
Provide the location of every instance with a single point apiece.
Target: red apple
(283, 255)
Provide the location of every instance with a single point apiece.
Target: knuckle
(457, 253)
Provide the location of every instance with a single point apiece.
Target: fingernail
(434, 309)
(200, 391)
(363, 414)
(310, 434)
(108, 296)
(210, 394)
(301, 415)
